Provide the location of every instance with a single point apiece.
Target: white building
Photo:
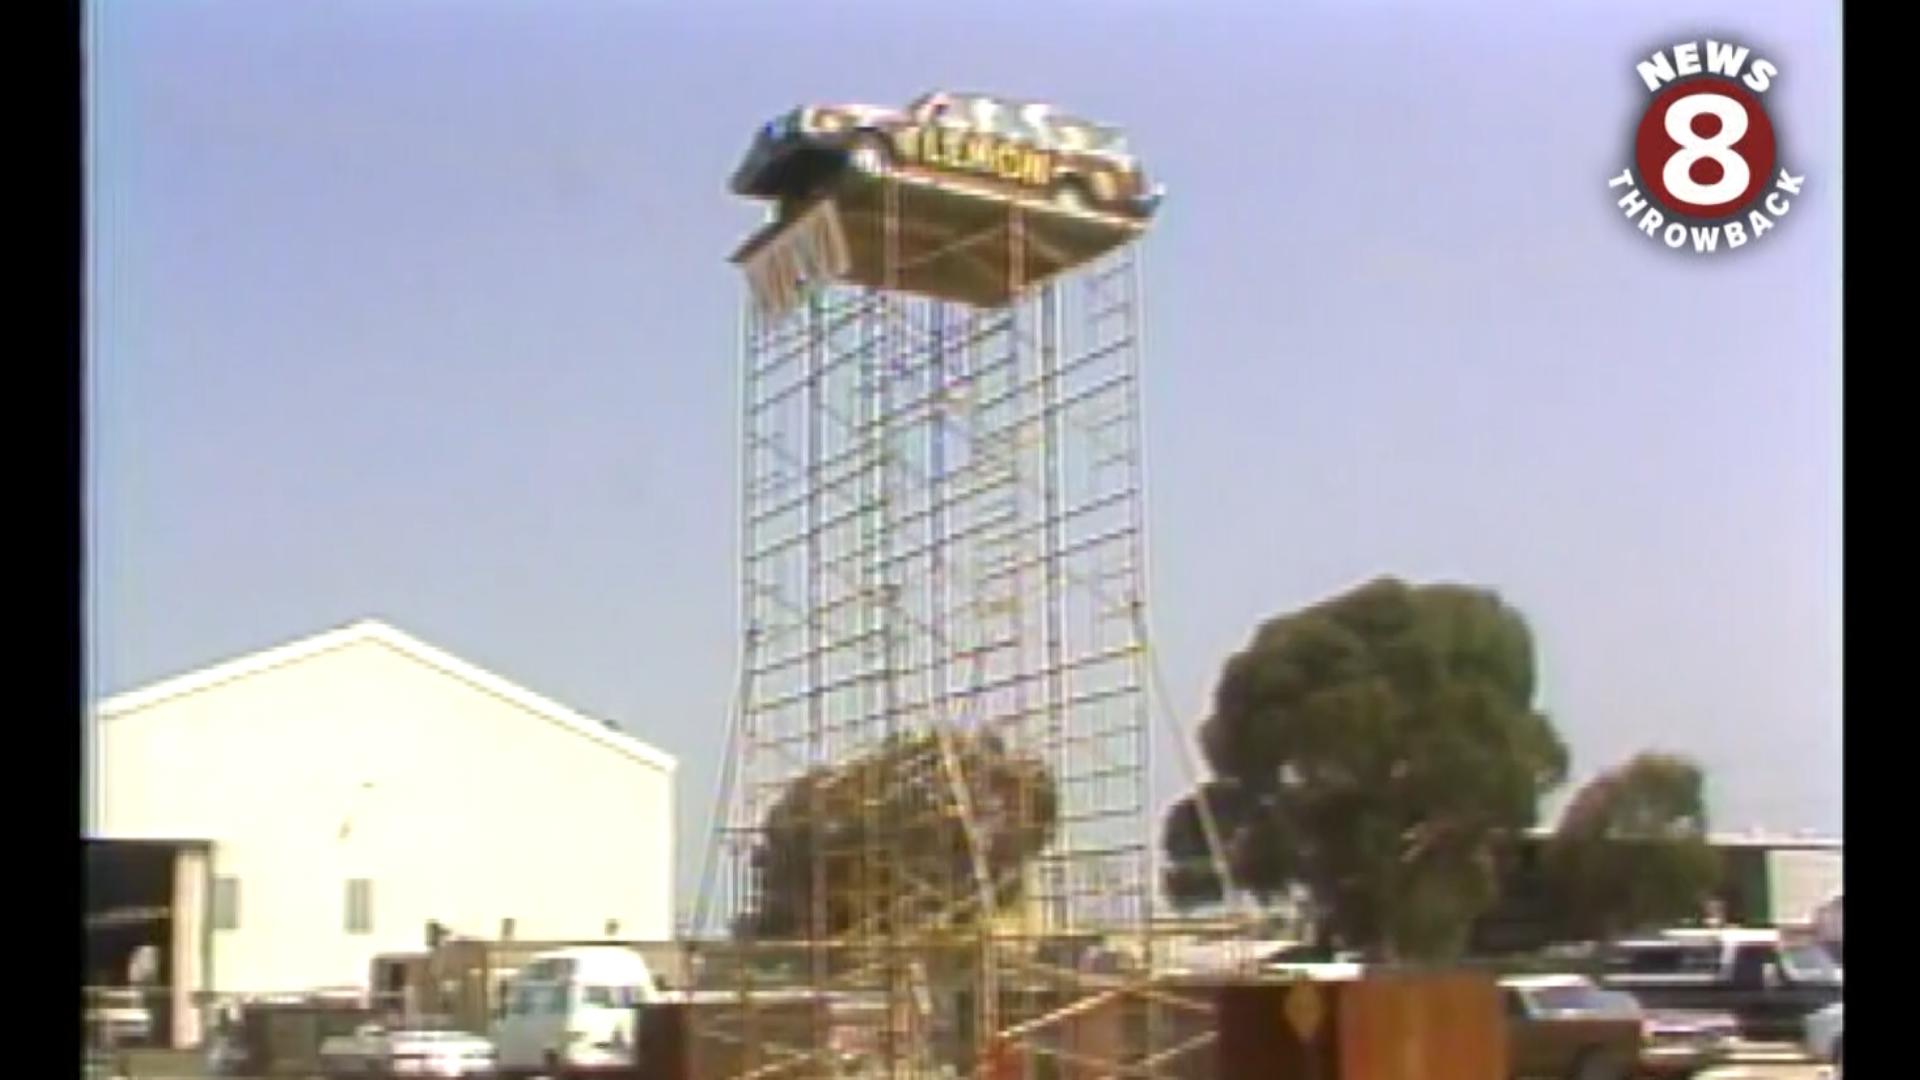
(342, 791)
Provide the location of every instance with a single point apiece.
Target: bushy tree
(1631, 850)
(882, 840)
(1375, 750)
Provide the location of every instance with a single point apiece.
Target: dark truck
(1768, 982)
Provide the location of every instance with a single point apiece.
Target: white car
(423, 1051)
(1823, 1036)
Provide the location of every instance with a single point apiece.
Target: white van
(573, 1011)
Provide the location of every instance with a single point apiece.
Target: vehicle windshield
(534, 999)
(1105, 140)
(610, 997)
(1808, 963)
(550, 969)
(1617, 1003)
(1574, 999)
(1073, 133)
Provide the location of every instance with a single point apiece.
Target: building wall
(362, 762)
(188, 945)
(1801, 881)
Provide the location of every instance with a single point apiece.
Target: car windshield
(1616, 1003)
(1582, 1000)
(1073, 133)
(1809, 963)
(1104, 140)
(610, 997)
(551, 969)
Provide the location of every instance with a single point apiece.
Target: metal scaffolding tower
(942, 598)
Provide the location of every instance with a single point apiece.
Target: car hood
(1690, 1020)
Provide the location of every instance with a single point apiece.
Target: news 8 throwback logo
(1705, 172)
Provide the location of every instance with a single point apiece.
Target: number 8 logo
(1704, 149)
(1716, 148)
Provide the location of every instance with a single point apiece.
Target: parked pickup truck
(415, 1050)
(1768, 982)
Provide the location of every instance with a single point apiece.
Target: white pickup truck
(374, 1050)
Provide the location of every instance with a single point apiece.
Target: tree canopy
(1373, 751)
(1631, 849)
(883, 839)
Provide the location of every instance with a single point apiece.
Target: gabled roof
(372, 630)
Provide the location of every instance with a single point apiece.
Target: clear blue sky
(421, 311)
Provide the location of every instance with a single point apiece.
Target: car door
(1761, 1001)
(514, 1038)
(1780, 1003)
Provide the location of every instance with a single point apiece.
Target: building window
(359, 906)
(226, 903)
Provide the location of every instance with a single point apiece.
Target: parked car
(1564, 1027)
(1768, 982)
(419, 1048)
(1019, 148)
(1822, 1038)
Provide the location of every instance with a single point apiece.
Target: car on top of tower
(1025, 150)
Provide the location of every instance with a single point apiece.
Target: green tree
(1631, 850)
(1375, 750)
(890, 839)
